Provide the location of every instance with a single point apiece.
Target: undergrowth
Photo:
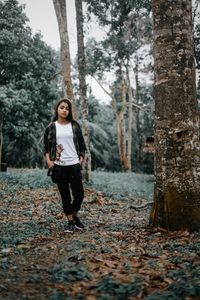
(113, 185)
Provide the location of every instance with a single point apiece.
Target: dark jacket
(50, 140)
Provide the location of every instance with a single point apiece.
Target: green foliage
(184, 285)
(103, 9)
(58, 295)
(114, 185)
(15, 38)
(128, 28)
(103, 140)
(15, 233)
(126, 22)
(66, 271)
(98, 58)
(32, 179)
(121, 291)
(123, 185)
(27, 87)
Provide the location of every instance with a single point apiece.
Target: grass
(113, 185)
(124, 185)
(26, 178)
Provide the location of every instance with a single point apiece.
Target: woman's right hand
(50, 164)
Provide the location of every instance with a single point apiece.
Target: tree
(138, 125)
(83, 87)
(122, 19)
(1, 138)
(28, 87)
(61, 14)
(15, 38)
(177, 158)
(197, 44)
(119, 104)
(103, 138)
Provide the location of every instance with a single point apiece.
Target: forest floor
(118, 256)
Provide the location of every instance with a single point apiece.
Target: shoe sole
(79, 228)
(68, 231)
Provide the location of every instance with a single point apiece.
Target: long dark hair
(68, 102)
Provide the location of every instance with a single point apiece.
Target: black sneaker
(70, 227)
(78, 224)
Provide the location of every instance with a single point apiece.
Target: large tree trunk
(61, 14)
(83, 87)
(177, 158)
(1, 138)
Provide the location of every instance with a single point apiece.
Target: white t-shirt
(66, 154)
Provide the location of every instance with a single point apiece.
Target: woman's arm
(50, 163)
(82, 147)
(81, 159)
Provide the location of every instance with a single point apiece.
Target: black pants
(69, 177)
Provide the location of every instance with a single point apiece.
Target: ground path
(117, 257)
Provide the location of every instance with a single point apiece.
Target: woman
(64, 150)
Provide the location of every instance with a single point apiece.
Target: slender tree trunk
(83, 87)
(138, 126)
(130, 121)
(121, 137)
(122, 140)
(61, 14)
(119, 111)
(121, 128)
(177, 151)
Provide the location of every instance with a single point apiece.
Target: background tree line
(30, 82)
(28, 87)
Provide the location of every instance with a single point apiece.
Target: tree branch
(100, 84)
(54, 75)
(139, 106)
(195, 11)
(113, 100)
(141, 206)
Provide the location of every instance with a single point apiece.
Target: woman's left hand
(81, 160)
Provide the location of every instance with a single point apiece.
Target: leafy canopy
(28, 86)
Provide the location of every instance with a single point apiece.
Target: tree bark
(138, 126)
(121, 127)
(177, 159)
(61, 14)
(83, 87)
(130, 121)
(1, 138)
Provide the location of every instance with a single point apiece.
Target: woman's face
(63, 110)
